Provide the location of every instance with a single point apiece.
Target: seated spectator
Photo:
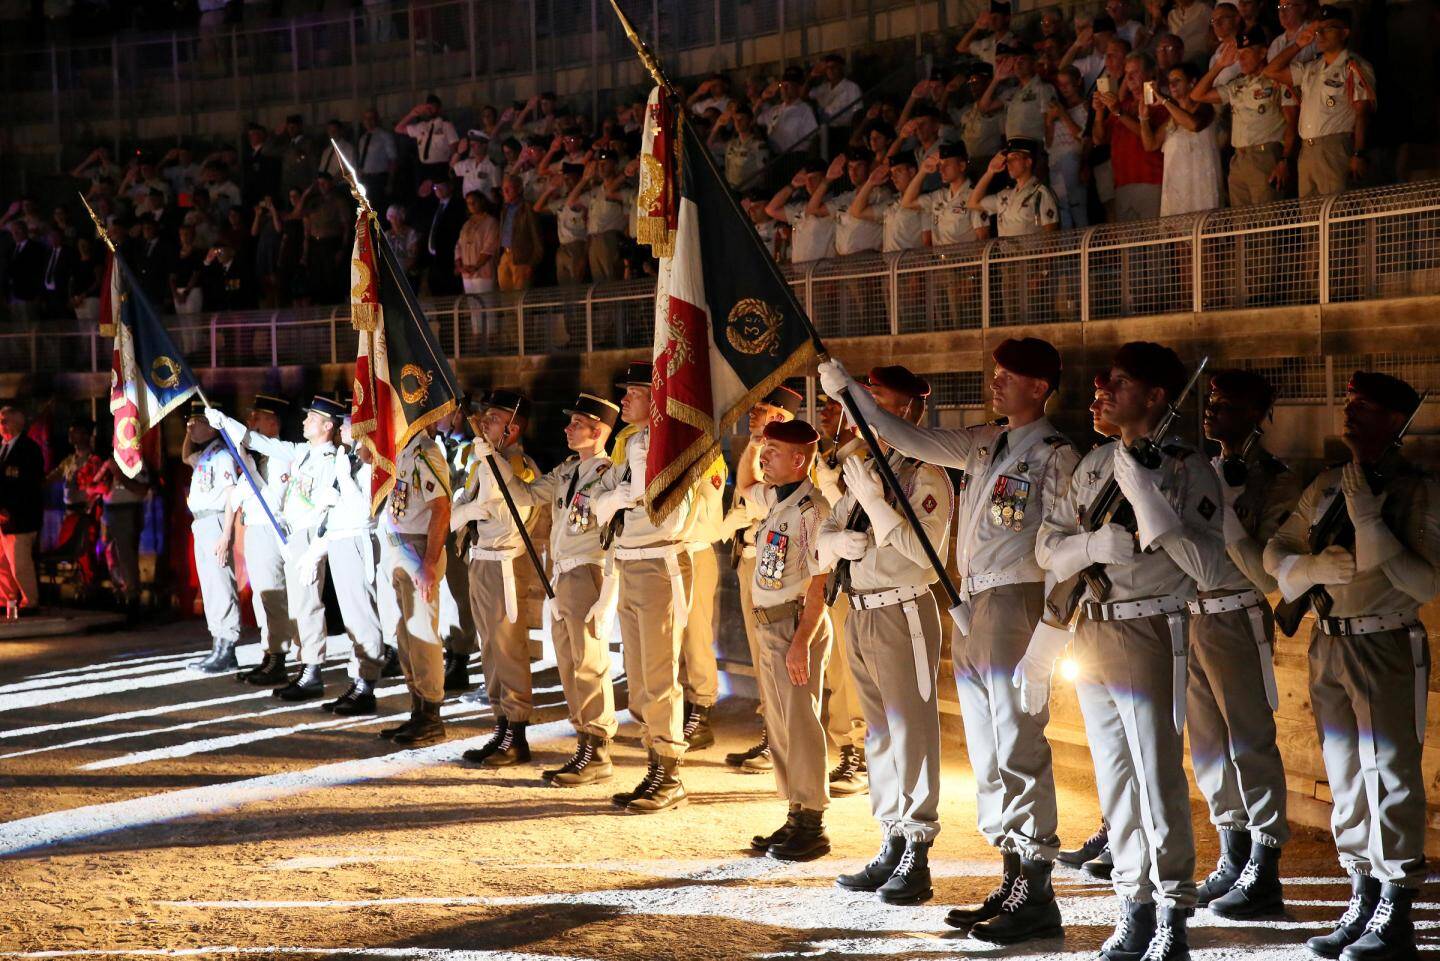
(1019, 92)
(1137, 172)
(853, 234)
(572, 257)
(477, 252)
(875, 134)
(1263, 115)
(405, 242)
(434, 137)
(787, 118)
(983, 133)
(948, 218)
(1187, 141)
(837, 98)
(922, 135)
(1065, 122)
(746, 152)
(605, 194)
(1051, 26)
(1025, 207)
(812, 237)
(879, 201)
(472, 164)
(538, 117)
(995, 24)
(521, 248)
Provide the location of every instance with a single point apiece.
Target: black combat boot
(305, 687)
(497, 737)
(1364, 896)
(270, 672)
(1258, 891)
(1170, 942)
(1089, 850)
(457, 673)
(1390, 932)
(208, 659)
(426, 729)
(878, 871)
(389, 732)
(548, 774)
(1234, 852)
(512, 749)
(623, 798)
(990, 907)
(359, 698)
(1133, 932)
(848, 777)
(224, 660)
(1101, 865)
(697, 732)
(591, 764)
(806, 843)
(392, 662)
(1029, 911)
(910, 884)
(762, 842)
(757, 759)
(661, 790)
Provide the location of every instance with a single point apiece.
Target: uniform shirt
(950, 219)
(787, 124)
(1271, 491)
(983, 134)
(569, 221)
(1411, 510)
(1025, 106)
(433, 139)
(308, 490)
(745, 158)
(900, 561)
(482, 501)
(984, 48)
(1256, 114)
(1307, 53)
(1023, 210)
(214, 479)
(838, 103)
(351, 513)
(375, 152)
(477, 174)
(639, 530)
(785, 558)
(1226, 75)
(900, 227)
(570, 490)
(707, 519)
(1327, 90)
(853, 234)
(421, 478)
(1190, 555)
(272, 474)
(811, 237)
(603, 213)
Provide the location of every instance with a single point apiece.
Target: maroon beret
(1245, 386)
(1389, 392)
(791, 432)
(901, 380)
(1030, 357)
(1154, 365)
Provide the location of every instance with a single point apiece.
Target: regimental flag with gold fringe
(148, 374)
(727, 328)
(403, 381)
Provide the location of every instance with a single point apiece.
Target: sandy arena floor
(151, 811)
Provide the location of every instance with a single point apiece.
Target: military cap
(1331, 12)
(791, 432)
(507, 400)
(328, 406)
(1023, 145)
(638, 374)
(900, 379)
(953, 151)
(1030, 357)
(980, 68)
(271, 404)
(813, 165)
(1103, 23)
(1254, 37)
(793, 75)
(784, 398)
(197, 407)
(905, 157)
(1017, 49)
(596, 408)
(1000, 6)
(1153, 364)
(1389, 392)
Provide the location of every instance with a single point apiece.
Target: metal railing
(1362, 245)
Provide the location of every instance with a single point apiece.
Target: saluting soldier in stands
(1370, 661)
(1014, 471)
(264, 554)
(781, 404)
(893, 633)
(1231, 694)
(1131, 645)
(653, 567)
(794, 633)
(495, 597)
(584, 605)
(212, 483)
(306, 497)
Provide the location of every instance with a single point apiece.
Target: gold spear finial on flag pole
(99, 224)
(357, 189)
(647, 57)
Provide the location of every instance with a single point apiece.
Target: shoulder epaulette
(1102, 442)
(805, 502)
(1058, 440)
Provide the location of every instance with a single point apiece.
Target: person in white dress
(1189, 142)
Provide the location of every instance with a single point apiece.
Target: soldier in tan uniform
(1263, 115)
(456, 623)
(781, 404)
(584, 604)
(653, 568)
(1130, 646)
(1013, 472)
(893, 634)
(794, 634)
(496, 594)
(1231, 694)
(1370, 661)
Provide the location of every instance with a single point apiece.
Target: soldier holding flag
(214, 476)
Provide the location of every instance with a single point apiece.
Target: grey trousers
(1014, 779)
(792, 718)
(457, 625)
(405, 616)
(265, 564)
(305, 599)
(1126, 693)
(1232, 728)
(895, 660)
(582, 657)
(123, 524)
(504, 647)
(699, 673)
(1362, 690)
(652, 651)
(352, 571)
(217, 581)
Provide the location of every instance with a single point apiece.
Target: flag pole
(357, 190)
(887, 473)
(199, 391)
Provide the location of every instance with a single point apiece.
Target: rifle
(1335, 529)
(1110, 507)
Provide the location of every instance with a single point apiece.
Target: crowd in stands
(1119, 114)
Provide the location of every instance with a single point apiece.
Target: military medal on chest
(399, 498)
(1008, 499)
(579, 514)
(770, 565)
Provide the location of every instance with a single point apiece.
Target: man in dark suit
(227, 282)
(27, 272)
(55, 280)
(442, 233)
(22, 498)
(153, 260)
(259, 167)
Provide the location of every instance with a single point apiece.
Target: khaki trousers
(1324, 167)
(699, 673)
(513, 276)
(504, 647)
(305, 604)
(652, 650)
(895, 659)
(845, 723)
(1014, 778)
(1250, 169)
(1362, 690)
(265, 566)
(457, 625)
(746, 572)
(352, 571)
(570, 262)
(1126, 692)
(581, 656)
(217, 580)
(414, 623)
(1232, 728)
(605, 263)
(792, 716)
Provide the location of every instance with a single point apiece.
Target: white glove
(480, 447)
(1154, 516)
(840, 545)
(827, 478)
(607, 504)
(314, 554)
(863, 480)
(1111, 544)
(603, 610)
(1375, 543)
(1298, 573)
(834, 378)
(215, 418)
(1032, 674)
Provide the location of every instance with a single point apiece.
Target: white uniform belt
(1366, 624)
(898, 595)
(507, 576)
(337, 533)
(1130, 610)
(565, 565)
(670, 554)
(485, 554)
(646, 553)
(1225, 602)
(201, 515)
(976, 583)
